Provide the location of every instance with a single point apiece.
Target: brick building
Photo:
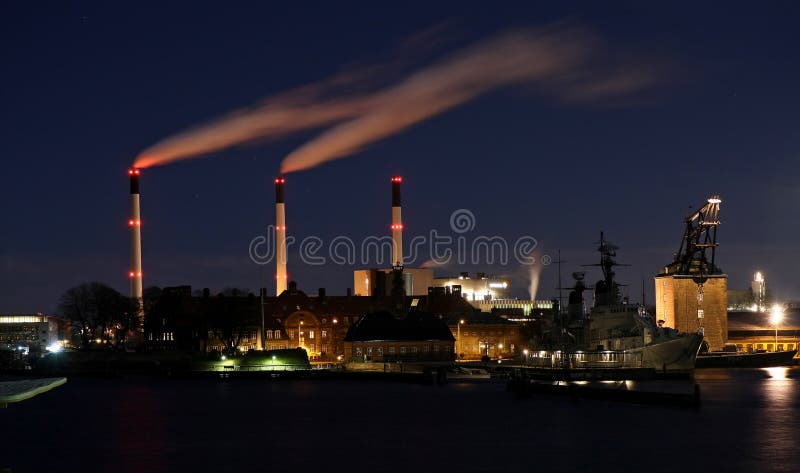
(678, 306)
(383, 337)
(481, 334)
(181, 320)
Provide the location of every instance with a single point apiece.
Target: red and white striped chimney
(281, 277)
(135, 224)
(397, 223)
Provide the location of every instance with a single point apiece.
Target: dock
(20, 390)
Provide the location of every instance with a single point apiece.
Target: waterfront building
(383, 337)
(30, 332)
(483, 334)
(752, 331)
(180, 320)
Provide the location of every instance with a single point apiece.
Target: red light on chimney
(131, 274)
(140, 274)
(279, 180)
(397, 179)
(130, 223)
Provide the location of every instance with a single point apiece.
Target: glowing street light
(776, 318)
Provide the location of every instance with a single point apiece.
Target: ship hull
(672, 356)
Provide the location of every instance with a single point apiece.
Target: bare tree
(97, 311)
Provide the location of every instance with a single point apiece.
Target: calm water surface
(749, 421)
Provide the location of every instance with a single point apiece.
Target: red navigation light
(131, 274)
(130, 223)
(397, 179)
(279, 180)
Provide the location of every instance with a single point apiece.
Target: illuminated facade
(477, 288)
(752, 331)
(34, 332)
(482, 334)
(378, 282)
(678, 306)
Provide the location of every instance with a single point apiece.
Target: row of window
(273, 334)
(161, 337)
(403, 350)
(485, 333)
(769, 346)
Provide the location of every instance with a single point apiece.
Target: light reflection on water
(777, 427)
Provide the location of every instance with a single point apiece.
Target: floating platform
(746, 360)
(20, 390)
(581, 374)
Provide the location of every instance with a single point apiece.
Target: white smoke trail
(560, 59)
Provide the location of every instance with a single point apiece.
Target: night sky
(86, 87)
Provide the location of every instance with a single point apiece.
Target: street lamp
(525, 352)
(776, 318)
(300, 334)
(460, 344)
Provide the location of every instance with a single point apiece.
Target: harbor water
(749, 420)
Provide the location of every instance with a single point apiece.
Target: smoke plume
(560, 60)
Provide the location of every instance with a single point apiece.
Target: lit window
(277, 334)
(269, 334)
(402, 350)
(391, 350)
(413, 349)
(324, 333)
(310, 334)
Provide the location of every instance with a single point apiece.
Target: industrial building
(479, 287)
(377, 282)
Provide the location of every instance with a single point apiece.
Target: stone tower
(692, 291)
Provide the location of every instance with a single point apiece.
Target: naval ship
(613, 326)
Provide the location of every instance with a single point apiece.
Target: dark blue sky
(86, 86)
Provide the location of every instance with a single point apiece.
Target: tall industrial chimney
(135, 223)
(281, 278)
(397, 223)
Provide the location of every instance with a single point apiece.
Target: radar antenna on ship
(607, 290)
